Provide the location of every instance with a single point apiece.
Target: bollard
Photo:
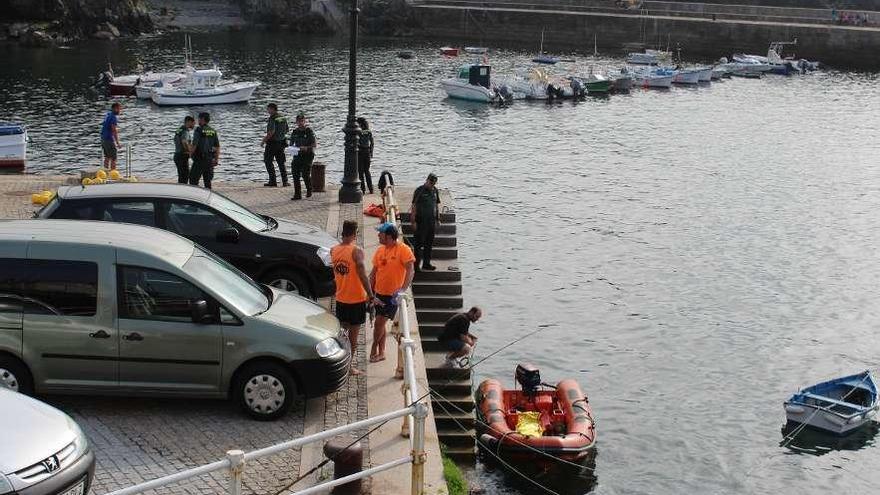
(347, 462)
(236, 470)
(318, 173)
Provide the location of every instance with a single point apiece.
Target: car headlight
(328, 347)
(324, 254)
(81, 441)
(5, 485)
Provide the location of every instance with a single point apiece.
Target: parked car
(288, 255)
(43, 451)
(111, 308)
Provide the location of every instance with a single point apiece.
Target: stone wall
(48, 21)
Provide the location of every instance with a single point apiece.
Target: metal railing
(414, 416)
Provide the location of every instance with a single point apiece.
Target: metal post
(404, 427)
(236, 470)
(350, 192)
(128, 160)
(418, 452)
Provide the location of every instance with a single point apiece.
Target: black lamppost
(350, 192)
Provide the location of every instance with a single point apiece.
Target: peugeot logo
(51, 464)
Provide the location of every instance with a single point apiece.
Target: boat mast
(541, 48)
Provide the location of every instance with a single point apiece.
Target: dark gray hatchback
(284, 254)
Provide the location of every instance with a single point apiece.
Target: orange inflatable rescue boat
(539, 419)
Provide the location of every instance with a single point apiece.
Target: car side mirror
(229, 234)
(200, 312)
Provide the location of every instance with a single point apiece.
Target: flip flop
(377, 359)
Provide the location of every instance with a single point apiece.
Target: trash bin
(318, 172)
(348, 461)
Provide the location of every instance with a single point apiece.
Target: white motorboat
(705, 74)
(718, 73)
(686, 76)
(539, 84)
(476, 50)
(653, 78)
(203, 87)
(127, 85)
(473, 83)
(13, 146)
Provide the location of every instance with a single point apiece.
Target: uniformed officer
(424, 217)
(303, 138)
(365, 155)
(275, 142)
(206, 152)
(183, 148)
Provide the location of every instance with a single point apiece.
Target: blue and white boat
(839, 406)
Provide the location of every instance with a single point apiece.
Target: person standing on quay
(110, 136)
(274, 141)
(302, 137)
(391, 276)
(183, 148)
(424, 215)
(206, 152)
(353, 292)
(365, 155)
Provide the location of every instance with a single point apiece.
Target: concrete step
(464, 455)
(453, 402)
(443, 253)
(444, 217)
(430, 331)
(452, 387)
(436, 288)
(453, 420)
(434, 315)
(457, 438)
(441, 274)
(431, 344)
(439, 240)
(438, 372)
(442, 229)
(439, 302)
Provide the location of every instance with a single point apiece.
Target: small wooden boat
(537, 423)
(839, 406)
(449, 51)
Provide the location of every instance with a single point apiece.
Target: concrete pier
(136, 440)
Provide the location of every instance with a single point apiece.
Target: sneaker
(429, 267)
(270, 184)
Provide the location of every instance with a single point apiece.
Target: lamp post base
(350, 192)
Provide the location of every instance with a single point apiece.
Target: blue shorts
(454, 345)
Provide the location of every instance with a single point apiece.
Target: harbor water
(695, 254)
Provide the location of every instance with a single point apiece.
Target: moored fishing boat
(839, 406)
(473, 83)
(449, 51)
(476, 50)
(705, 74)
(686, 76)
(621, 80)
(538, 423)
(597, 83)
(203, 87)
(13, 146)
(144, 88)
(653, 78)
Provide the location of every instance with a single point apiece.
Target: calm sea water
(697, 253)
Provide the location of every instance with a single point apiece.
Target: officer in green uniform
(303, 138)
(365, 155)
(206, 152)
(275, 142)
(424, 217)
(183, 148)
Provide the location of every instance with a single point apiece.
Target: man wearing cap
(425, 216)
(302, 137)
(393, 270)
(274, 142)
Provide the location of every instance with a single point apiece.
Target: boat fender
(837, 420)
(792, 408)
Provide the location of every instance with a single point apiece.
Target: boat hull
(122, 89)
(706, 75)
(598, 86)
(461, 90)
(569, 429)
(686, 77)
(217, 96)
(838, 406)
(622, 84)
(13, 149)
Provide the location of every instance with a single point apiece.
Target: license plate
(77, 489)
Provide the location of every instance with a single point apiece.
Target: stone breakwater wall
(699, 39)
(44, 22)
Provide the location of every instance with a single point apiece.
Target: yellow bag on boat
(529, 424)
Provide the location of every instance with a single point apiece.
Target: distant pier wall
(519, 23)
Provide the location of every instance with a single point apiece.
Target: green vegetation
(455, 482)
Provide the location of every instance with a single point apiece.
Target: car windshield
(233, 287)
(240, 214)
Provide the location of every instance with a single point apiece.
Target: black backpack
(385, 182)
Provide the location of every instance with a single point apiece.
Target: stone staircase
(438, 296)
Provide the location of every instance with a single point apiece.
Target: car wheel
(265, 390)
(288, 280)
(14, 375)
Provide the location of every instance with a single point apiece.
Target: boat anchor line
(787, 439)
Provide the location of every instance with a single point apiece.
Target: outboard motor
(529, 378)
(505, 93)
(577, 88)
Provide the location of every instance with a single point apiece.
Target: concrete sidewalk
(186, 434)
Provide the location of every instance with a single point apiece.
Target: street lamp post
(350, 191)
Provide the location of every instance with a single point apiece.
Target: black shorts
(109, 148)
(351, 314)
(388, 308)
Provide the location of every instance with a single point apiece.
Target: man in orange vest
(393, 270)
(353, 292)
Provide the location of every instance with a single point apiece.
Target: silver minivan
(95, 307)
